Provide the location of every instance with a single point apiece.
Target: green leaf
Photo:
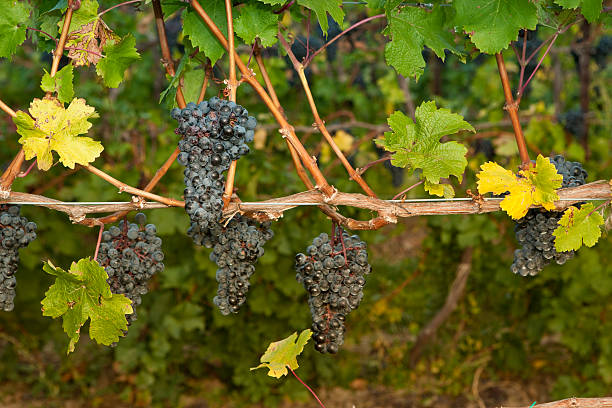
(274, 2)
(117, 58)
(257, 21)
(171, 89)
(14, 16)
(417, 144)
(51, 127)
(591, 9)
(493, 24)
(82, 293)
(200, 35)
(192, 84)
(321, 8)
(61, 83)
(87, 13)
(578, 226)
(410, 30)
(283, 353)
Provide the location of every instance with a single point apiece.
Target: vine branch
(299, 68)
(512, 108)
(232, 85)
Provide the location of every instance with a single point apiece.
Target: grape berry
(15, 233)
(332, 271)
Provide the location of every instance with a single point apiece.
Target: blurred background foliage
(547, 337)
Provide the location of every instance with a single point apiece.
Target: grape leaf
(274, 2)
(88, 34)
(200, 35)
(51, 127)
(591, 9)
(87, 13)
(82, 293)
(117, 58)
(417, 144)
(440, 190)
(534, 186)
(61, 83)
(410, 30)
(578, 226)
(13, 23)
(321, 8)
(283, 353)
(257, 21)
(493, 24)
(192, 84)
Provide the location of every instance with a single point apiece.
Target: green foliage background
(554, 330)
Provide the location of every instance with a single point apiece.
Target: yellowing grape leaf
(578, 226)
(82, 293)
(344, 140)
(440, 190)
(52, 127)
(283, 353)
(417, 143)
(534, 186)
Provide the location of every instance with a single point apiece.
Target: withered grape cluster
(214, 133)
(131, 254)
(237, 248)
(534, 232)
(333, 273)
(15, 233)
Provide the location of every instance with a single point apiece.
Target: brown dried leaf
(88, 41)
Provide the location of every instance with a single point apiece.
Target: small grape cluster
(214, 133)
(238, 246)
(573, 122)
(131, 254)
(15, 233)
(535, 230)
(333, 273)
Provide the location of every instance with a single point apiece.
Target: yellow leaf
(493, 178)
(51, 127)
(534, 186)
(440, 190)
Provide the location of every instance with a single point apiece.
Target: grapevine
(547, 199)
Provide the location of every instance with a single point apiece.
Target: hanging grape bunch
(131, 254)
(214, 133)
(15, 233)
(237, 248)
(535, 230)
(332, 272)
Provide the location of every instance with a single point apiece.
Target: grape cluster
(237, 247)
(332, 271)
(15, 233)
(535, 231)
(131, 254)
(214, 133)
(603, 50)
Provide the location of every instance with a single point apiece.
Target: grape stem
(59, 50)
(25, 173)
(407, 190)
(307, 387)
(233, 86)
(118, 5)
(299, 68)
(512, 108)
(99, 241)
